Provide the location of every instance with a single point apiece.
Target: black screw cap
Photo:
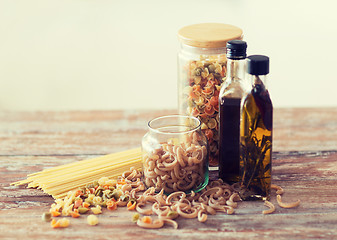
(258, 65)
(236, 49)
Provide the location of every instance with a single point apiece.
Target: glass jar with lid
(201, 70)
(175, 154)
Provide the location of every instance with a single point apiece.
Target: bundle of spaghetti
(58, 181)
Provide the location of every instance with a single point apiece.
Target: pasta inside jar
(175, 155)
(200, 83)
(201, 70)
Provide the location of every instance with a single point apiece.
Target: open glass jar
(201, 70)
(175, 154)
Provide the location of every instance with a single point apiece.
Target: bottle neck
(235, 69)
(233, 86)
(258, 80)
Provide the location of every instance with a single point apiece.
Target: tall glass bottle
(230, 97)
(256, 133)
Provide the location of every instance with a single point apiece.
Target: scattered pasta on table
(152, 209)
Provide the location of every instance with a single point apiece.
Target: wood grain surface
(304, 164)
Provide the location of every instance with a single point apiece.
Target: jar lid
(258, 65)
(209, 35)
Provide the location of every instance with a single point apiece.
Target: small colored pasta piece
(97, 201)
(271, 207)
(86, 204)
(61, 223)
(92, 220)
(78, 193)
(212, 123)
(55, 213)
(46, 216)
(55, 223)
(131, 205)
(111, 204)
(214, 100)
(64, 222)
(146, 222)
(195, 112)
(207, 91)
(146, 219)
(171, 222)
(278, 189)
(96, 210)
(135, 217)
(102, 181)
(83, 210)
(209, 134)
(200, 101)
(75, 214)
(78, 203)
(209, 109)
(203, 126)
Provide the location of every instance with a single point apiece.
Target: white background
(100, 54)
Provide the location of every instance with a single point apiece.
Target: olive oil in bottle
(230, 97)
(256, 133)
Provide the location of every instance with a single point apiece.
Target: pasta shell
(212, 123)
(209, 109)
(207, 91)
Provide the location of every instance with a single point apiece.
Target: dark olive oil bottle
(256, 133)
(231, 93)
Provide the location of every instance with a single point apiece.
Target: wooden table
(304, 164)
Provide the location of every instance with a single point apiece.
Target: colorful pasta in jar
(201, 70)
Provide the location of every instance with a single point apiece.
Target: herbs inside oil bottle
(256, 133)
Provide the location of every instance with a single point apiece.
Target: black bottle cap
(258, 65)
(236, 49)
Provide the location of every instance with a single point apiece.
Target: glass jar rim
(186, 117)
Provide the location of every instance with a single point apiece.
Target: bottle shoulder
(232, 89)
(257, 95)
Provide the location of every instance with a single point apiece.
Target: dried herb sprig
(256, 147)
